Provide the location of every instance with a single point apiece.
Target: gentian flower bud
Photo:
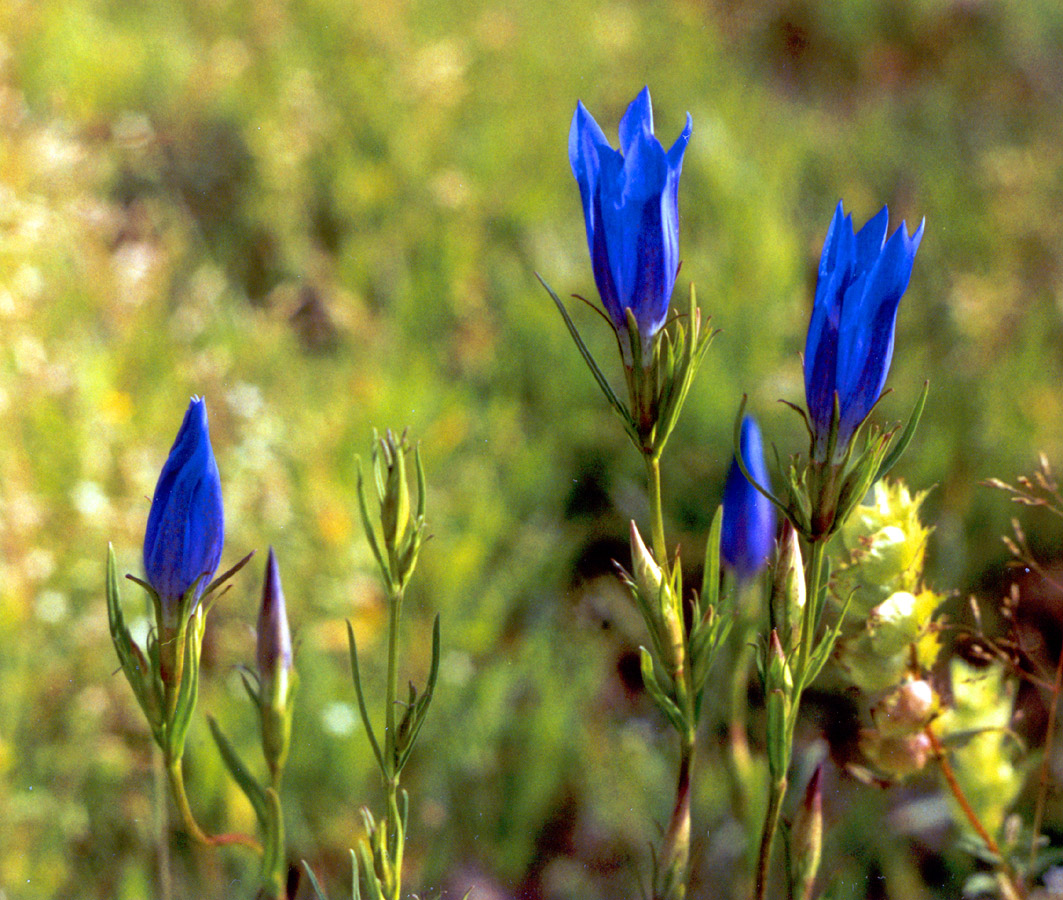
(849, 347)
(748, 531)
(273, 655)
(631, 207)
(273, 651)
(186, 529)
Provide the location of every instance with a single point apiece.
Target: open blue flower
(631, 207)
(748, 531)
(862, 277)
(186, 529)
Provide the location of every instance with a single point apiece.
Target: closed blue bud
(854, 316)
(631, 207)
(748, 531)
(273, 651)
(186, 529)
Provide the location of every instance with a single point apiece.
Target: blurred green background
(325, 216)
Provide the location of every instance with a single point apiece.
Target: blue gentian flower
(631, 207)
(748, 532)
(850, 337)
(273, 649)
(186, 529)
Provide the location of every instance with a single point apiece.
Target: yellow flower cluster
(977, 727)
(890, 639)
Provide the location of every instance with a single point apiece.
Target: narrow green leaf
(906, 436)
(356, 893)
(710, 575)
(666, 704)
(825, 647)
(737, 440)
(420, 712)
(318, 893)
(603, 383)
(361, 698)
(243, 778)
(367, 524)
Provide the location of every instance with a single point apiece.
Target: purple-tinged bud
(273, 655)
(274, 647)
(186, 527)
(807, 837)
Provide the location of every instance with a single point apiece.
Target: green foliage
(324, 216)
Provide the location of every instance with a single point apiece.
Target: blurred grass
(325, 217)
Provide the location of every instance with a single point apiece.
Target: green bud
(390, 465)
(657, 602)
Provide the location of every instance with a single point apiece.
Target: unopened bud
(274, 658)
(395, 500)
(807, 840)
(788, 584)
(648, 575)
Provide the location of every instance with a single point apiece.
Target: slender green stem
(767, 837)
(159, 777)
(653, 479)
(391, 776)
(675, 852)
(175, 776)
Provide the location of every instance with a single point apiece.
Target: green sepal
(243, 778)
(188, 689)
(619, 407)
(138, 669)
(666, 704)
(361, 699)
(683, 361)
(211, 589)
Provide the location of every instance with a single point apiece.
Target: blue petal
(871, 238)
(867, 350)
(637, 122)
